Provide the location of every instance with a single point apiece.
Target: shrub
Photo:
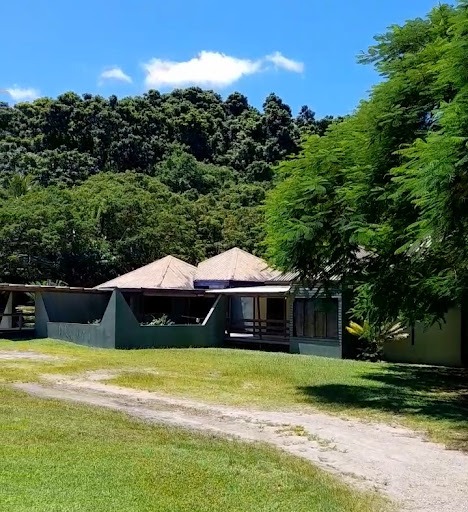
(371, 339)
(157, 321)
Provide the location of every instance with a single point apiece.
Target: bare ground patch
(418, 475)
(13, 355)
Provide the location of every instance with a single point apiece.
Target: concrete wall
(82, 334)
(79, 308)
(92, 335)
(119, 327)
(131, 335)
(315, 347)
(7, 321)
(435, 345)
(42, 318)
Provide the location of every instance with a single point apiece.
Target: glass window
(316, 318)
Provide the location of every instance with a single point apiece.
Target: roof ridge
(157, 272)
(233, 270)
(168, 264)
(177, 268)
(178, 260)
(243, 250)
(234, 264)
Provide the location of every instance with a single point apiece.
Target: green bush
(371, 338)
(158, 321)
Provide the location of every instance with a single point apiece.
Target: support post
(259, 317)
(285, 317)
(7, 321)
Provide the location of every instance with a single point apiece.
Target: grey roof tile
(167, 273)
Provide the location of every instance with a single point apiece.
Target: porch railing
(259, 329)
(21, 323)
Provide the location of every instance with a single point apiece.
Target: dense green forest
(391, 179)
(93, 187)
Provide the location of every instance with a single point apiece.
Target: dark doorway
(276, 315)
(276, 309)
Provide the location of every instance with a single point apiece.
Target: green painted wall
(92, 335)
(119, 328)
(75, 307)
(42, 318)
(464, 331)
(82, 334)
(312, 347)
(131, 335)
(315, 346)
(436, 345)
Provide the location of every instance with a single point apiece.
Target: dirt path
(13, 355)
(420, 476)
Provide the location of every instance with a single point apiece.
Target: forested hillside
(93, 187)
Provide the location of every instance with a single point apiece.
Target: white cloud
(280, 61)
(211, 69)
(21, 94)
(115, 73)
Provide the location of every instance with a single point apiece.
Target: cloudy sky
(304, 50)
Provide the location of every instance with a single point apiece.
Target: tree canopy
(381, 198)
(94, 187)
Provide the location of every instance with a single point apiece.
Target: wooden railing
(260, 328)
(17, 326)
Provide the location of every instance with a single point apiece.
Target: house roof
(247, 291)
(12, 287)
(167, 273)
(234, 265)
(286, 277)
(292, 276)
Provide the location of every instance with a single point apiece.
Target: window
(316, 318)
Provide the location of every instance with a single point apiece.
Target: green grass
(433, 400)
(62, 458)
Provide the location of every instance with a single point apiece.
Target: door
(242, 309)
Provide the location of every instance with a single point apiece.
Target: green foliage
(95, 187)
(16, 186)
(42, 237)
(391, 179)
(372, 339)
(28, 315)
(309, 208)
(70, 138)
(159, 321)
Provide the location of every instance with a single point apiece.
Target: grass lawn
(434, 400)
(61, 457)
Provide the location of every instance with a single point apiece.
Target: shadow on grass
(435, 398)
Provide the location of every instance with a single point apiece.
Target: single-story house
(232, 299)
(163, 288)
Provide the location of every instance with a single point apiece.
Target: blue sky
(303, 50)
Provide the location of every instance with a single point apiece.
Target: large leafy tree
(434, 175)
(390, 179)
(43, 238)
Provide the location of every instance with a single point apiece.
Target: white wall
(438, 345)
